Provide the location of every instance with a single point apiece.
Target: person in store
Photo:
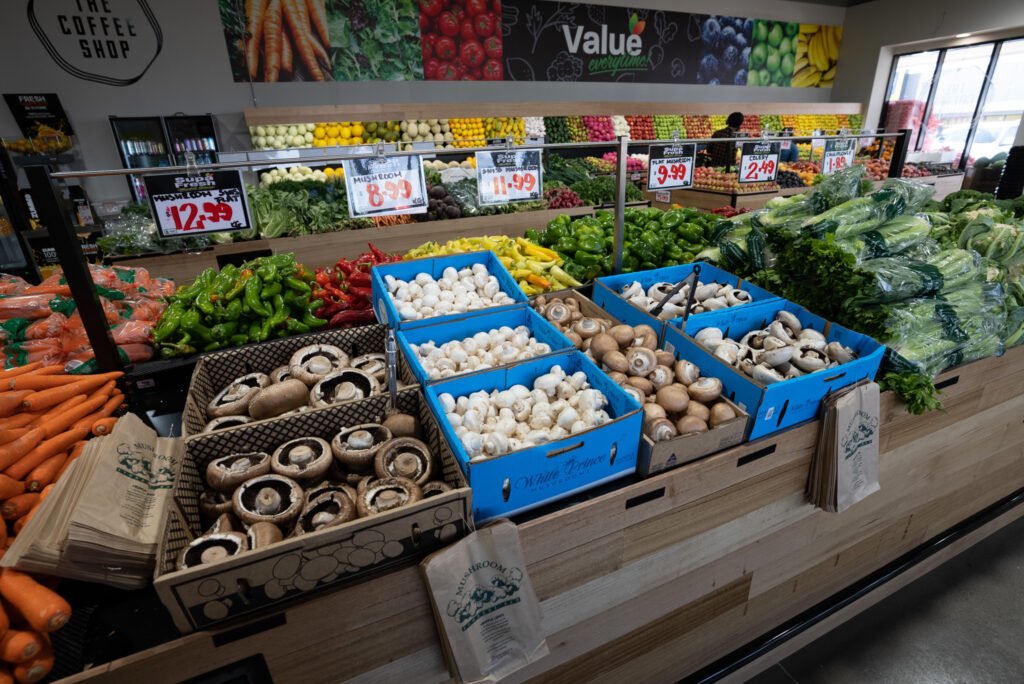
(724, 154)
(788, 153)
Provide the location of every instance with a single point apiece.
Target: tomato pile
(345, 289)
(461, 40)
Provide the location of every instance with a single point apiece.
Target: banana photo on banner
(817, 52)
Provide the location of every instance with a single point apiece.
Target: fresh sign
(509, 176)
(670, 166)
(838, 155)
(206, 202)
(759, 162)
(383, 186)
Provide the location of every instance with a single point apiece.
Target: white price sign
(204, 202)
(383, 186)
(838, 155)
(509, 176)
(670, 166)
(759, 162)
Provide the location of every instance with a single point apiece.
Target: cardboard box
(468, 325)
(384, 305)
(217, 370)
(297, 566)
(782, 404)
(522, 480)
(607, 289)
(658, 457)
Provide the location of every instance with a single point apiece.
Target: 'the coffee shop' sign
(112, 42)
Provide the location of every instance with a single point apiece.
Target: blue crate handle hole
(564, 450)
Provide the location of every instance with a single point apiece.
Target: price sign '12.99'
(759, 162)
(838, 155)
(205, 202)
(383, 186)
(509, 176)
(670, 166)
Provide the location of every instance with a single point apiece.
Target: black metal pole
(899, 153)
(54, 215)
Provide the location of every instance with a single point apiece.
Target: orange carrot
(11, 452)
(35, 670)
(9, 435)
(59, 408)
(5, 675)
(20, 370)
(272, 37)
(103, 426)
(287, 56)
(44, 609)
(3, 542)
(44, 473)
(254, 10)
(318, 19)
(20, 420)
(55, 395)
(10, 402)
(58, 423)
(10, 487)
(20, 645)
(76, 452)
(298, 22)
(5, 622)
(51, 447)
(17, 506)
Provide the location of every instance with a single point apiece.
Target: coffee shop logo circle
(113, 42)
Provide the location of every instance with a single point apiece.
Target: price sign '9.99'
(670, 166)
(206, 202)
(509, 176)
(837, 156)
(383, 186)
(759, 162)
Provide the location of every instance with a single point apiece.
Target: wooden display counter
(655, 580)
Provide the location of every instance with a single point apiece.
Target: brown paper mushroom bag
(484, 604)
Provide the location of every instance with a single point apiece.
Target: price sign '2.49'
(837, 156)
(670, 166)
(205, 202)
(383, 186)
(759, 162)
(509, 176)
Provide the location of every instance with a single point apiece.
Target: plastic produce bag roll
(484, 604)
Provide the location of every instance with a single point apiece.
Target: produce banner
(519, 40)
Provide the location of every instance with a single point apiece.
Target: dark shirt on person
(723, 154)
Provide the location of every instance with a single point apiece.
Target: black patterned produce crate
(217, 370)
(298, 566)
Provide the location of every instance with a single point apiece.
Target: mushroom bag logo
(113, 42)
(486, 586)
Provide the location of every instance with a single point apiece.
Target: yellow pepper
(537, 251)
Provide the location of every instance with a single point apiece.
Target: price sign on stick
(759, 162)
(838, 155)
(509, 176)
(383, 186)
(670, 166)
(203, 202)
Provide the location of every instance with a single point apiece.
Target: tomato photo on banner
(460, 40)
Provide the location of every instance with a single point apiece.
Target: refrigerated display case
(195, 134)
(141, 142)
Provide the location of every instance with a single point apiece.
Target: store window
(908, 91)
(1004, 102)
(949, 122)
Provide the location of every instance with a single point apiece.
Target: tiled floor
(962, 623)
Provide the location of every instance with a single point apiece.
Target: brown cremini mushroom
(344, 385)
(645, 336)
(212, 548)
(404, 457)
(640, 361)
(313, 363)
(305, 459)
(435, 488)
(280, 374)
(269, 498)
(234, 399)
(263, 534)
(278, 398)
(372, 364)
(403, 424)
(355, 447)
(224, 474)
(387, 494)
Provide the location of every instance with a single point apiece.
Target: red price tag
(508, 176)
(671, 166)
(188, 216)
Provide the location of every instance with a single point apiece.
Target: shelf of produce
(261, 116)
(700, 198)
(654, 580)
(326, 248)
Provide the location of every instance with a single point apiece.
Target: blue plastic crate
(470, 323)
(783, 404)
(606, 294)
(384, 305)
(525, 479)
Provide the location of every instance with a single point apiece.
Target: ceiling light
(963, 35)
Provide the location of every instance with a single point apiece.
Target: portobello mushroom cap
(212, 548)
(263, 534)
(279, 398)
(326, 510)
(435, 488)
(225, 422)
(403, 424)
(212, 505)
(268, 498)
(373, 364)
(356, 447)
(226, 473)
(347, 384)
(387, 494)
(280, 374)
(311, 364)
(234, 399)
(303, 459)
(404, 457)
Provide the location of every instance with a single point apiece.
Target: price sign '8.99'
(759, 162)
(670, 166)
(198, 203)
(509, 176)
(383, 186)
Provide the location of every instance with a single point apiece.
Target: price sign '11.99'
(759, 162)
(838, 155)
(205, 202)
(383, 186)
(509, 176)
(670, 166)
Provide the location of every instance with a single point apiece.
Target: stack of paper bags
(845, 465)
(103, 519)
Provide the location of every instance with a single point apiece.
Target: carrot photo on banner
(273, 41)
